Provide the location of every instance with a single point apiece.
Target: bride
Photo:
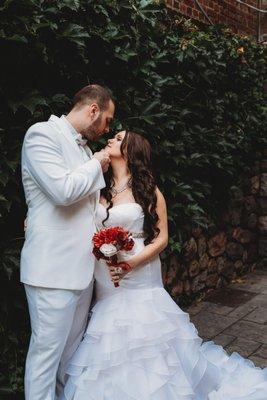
(139, 345)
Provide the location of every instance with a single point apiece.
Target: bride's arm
(160, 242)
(151, 250)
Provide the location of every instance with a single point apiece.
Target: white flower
(108, 250)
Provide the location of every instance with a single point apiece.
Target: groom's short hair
(93, 93)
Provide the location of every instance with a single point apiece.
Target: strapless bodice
(129, 216)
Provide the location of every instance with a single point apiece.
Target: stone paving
(236, 317)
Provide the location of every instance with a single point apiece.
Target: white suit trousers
(58, 321)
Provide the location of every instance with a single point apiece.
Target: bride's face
(114, 145)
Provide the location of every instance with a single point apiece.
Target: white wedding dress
(139, 345)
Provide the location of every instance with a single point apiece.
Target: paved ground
(236, 317)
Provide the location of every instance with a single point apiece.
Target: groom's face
(98, 122)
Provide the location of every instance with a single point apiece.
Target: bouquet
(109, 241)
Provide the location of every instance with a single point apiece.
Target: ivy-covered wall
(196, 94)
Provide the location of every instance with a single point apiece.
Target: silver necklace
(114, 191)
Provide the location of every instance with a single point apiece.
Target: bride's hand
(116, 276)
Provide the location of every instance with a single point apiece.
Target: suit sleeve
(45, 163)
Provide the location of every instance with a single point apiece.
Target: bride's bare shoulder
(161, 203)
(159, 195)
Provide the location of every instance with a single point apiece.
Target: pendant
(114, 191)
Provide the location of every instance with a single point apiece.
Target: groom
(62, 180)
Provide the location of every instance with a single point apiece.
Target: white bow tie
(80, 141)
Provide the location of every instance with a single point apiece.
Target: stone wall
(213, 258)
(262, 206)
(238, 17)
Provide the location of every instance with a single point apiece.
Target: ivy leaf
(14, 38)
(76, 34)
(71, 4)
(31, 101)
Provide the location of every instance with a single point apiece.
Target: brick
(238, 17)
(183, 8)
(189, 3)
(190, 12)
(196, 14)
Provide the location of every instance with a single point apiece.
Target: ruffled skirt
(139, 345)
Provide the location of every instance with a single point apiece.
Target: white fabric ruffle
(139, 345)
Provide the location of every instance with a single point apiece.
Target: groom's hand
(103, 157)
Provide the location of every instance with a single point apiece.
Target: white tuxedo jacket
(62, 191)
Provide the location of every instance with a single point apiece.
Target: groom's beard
(93, 131)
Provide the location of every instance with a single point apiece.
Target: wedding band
(118, 270)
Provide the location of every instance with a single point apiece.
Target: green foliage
(196, 94)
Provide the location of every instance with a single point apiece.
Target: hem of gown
(139, 345)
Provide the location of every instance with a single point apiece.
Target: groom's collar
(66, 127)
(79, 139)
(70, 133)
(69, 126)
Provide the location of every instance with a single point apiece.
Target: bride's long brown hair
(137, 152)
